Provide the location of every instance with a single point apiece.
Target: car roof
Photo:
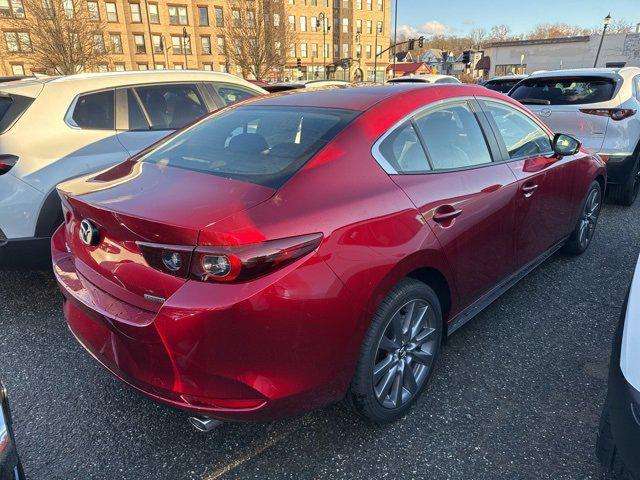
(91, 81)
(423, 77)
(506, 78)
(355, 98)
(586, 72)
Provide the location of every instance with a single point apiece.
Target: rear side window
(502, 86)
(259, 144)
(403, 150)
(94, 111)
(453, 138)
(564, 91)
(231, 94)
(169, 107)
(522, 136)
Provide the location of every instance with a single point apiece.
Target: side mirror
(565, 145)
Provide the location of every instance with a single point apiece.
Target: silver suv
(601, 108)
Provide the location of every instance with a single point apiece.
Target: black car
(10, 466)
(618, 445)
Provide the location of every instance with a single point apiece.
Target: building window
(157, 43)
(369, 4)
(510, 68)
(11, 8)
(207, 67)
(358, 50)
(369, 27)
(116, 42)
(292, 2)
(276, 20)
(17, 69)
(251, 18)
(378, 50)
(303, 23)
(94, 12)
(154, 15)
(112, 12)
(379, 28)
(119, 67)
(358, 26)
(314, 3)
(336, 3)
(140, 46)
(336, 50)
(177, 66)
(303, 50)
(380, 5)
(345, 50)
(345, 3)
(203, 15)
(220, 43)
(314, 50)
(345, 25)
(180, 45)
(326, 50)
(160, 66)
(292, 50)
(18, 41)
(359, 4)
(235, 18)
(135, 12)
(178, 15)
(206, 45)
(219, 16)
(292, 23)
(143, 66)
(313, 23)
(368, 52)
(103, 68)
(98, 43)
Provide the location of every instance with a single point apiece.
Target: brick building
(137, 30)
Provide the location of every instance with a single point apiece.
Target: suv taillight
(613, 113)
(7, 162)
(233, 263)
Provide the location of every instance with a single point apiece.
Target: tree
(619, 25)
(65, 37)
(257, 37)
(477, 37)
(554, 30)
(500, 32)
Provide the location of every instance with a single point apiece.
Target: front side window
(564, 91)
(521, 135)
(263, 145)
(94, 111)
(403, 151)
(169, 107)
(452, 137)
(231, 94)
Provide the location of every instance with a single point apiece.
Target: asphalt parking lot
(517, 395)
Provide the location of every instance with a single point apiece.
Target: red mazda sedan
(294, 250)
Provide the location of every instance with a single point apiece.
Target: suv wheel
(582, 234)
(626, 194)
(398, 354)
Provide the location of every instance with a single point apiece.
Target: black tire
(576, 244)
(362, 396)
(627, 193)
(606, 449)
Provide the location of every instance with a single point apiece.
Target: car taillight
(613, 113)
(171, 259)
(244, 262)
(7, 162)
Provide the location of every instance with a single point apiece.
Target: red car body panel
(288, 342)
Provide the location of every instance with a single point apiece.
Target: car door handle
(445, 213)
(529, 188)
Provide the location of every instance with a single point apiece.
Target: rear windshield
(11, 107)
(263, 145)
(502, 86)
(564, 91)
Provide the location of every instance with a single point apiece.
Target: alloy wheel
(405, 354)
(589, 218)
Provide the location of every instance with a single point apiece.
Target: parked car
(424, 78)
(503, 84)
(599, 107)
(305, 84)
(10, 465)
(85, 123)
(618, 445)
(299, 249)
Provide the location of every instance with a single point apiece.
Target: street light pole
(375, 55)
(607, 19)
(325, 28)
(395, 38)
(185, 36)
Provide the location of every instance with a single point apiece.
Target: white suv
(601, 108)
(54, 129)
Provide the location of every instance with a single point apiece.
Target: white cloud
(432, 27)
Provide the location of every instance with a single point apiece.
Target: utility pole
(153, 56)
(607, 19)
(325, 29)
(395, 38)
(375, 54)
(185, 37)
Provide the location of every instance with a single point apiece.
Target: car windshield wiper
(536, 101)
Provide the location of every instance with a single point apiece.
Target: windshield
(564, 91)
(263, 145)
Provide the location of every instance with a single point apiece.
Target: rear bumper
(619, 168)
(274, 348)
(25, 253)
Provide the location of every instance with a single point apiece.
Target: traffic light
(421, 42)
(299, 64)
(466, 57)
(412, 44)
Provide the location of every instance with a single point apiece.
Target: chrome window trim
(375, 149)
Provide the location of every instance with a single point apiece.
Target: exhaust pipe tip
(204, 424)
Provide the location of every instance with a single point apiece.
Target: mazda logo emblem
(545, 112)
(89, 233)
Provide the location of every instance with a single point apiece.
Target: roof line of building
(539, 41)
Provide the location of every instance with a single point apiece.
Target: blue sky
(458, 17)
